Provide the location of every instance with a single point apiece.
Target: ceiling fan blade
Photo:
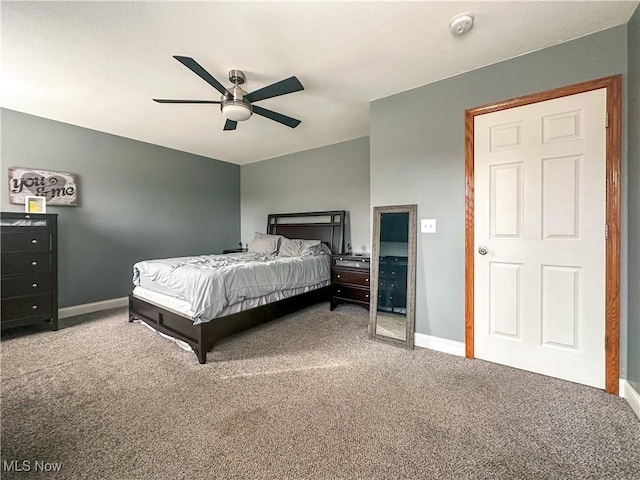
(288, 85)
(278, 117)
(230, 125)
(196, 68)
(163, 100)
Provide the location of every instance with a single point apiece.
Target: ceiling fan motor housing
(233, 105)
(237, 77)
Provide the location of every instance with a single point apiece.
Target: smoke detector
(461, 23)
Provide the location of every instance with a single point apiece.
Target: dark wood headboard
(325, 226)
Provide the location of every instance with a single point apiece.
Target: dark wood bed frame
(326, 226)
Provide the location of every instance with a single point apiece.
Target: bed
(201, 336)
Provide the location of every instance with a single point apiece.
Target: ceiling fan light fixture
(233, 105)
(236, 110)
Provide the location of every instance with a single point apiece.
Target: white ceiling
(99, 64)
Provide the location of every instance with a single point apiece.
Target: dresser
(29, 269)
(392, 284)
(350, 280)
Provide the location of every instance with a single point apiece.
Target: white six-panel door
(539, 301)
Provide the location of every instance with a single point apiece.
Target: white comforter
(212, 282)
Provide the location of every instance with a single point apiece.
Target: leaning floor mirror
(393, 275)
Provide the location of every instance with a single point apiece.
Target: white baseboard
(630, 395)
(76, 310)
(440, 344)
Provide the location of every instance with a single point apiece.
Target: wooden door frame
(613, 86)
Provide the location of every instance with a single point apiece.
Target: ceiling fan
(236, 104)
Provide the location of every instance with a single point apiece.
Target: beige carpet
(305, 397)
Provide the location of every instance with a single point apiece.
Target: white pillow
(295, 247)
(265, 243)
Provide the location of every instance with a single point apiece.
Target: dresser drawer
(26, 285)
(351, 293)
(399, 285)
(14, 222)
(16, 263)
(393, 267)
(26, 242)
(393, 272)
(24, 307)
(347, 276)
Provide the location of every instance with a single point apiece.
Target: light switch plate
(428, 225)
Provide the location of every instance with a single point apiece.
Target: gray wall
(136, 201)
(417, 145)
(335, 177)
(633, 359)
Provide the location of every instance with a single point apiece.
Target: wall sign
(57, 187)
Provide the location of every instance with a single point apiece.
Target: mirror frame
(412, 210)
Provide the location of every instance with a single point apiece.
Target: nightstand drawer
(349, 276)
(15, 263)
(26, 242)
(26, 285)
(351, 262)
(351, 293)
(24, 307)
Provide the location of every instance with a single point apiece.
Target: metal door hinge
(606, 120)
(606, 231)
(606, 342)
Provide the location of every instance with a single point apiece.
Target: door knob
(483, 250)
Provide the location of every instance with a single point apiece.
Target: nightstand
(238, 249)
(350, 280)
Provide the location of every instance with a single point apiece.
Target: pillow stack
(294, 247)
(265, 243)
(287, 247)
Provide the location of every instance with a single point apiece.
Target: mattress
(183, 308)
(213, 285)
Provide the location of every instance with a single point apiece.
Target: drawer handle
(34, 263)
(34, 241)
(35, 307)
(367, 295)
(34, 285)
(366, 279)
(338, 276)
